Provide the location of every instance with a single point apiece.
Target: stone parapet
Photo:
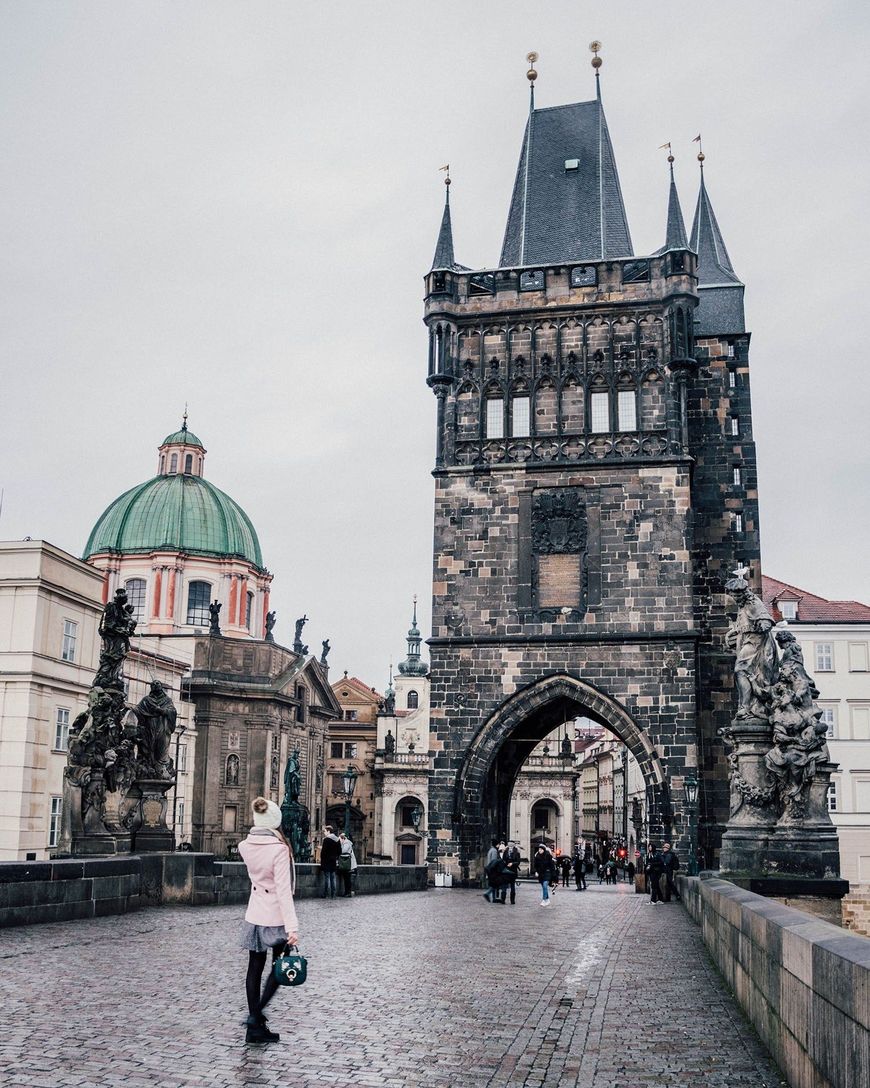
(57, 891)
(804, 983)
(856, 909)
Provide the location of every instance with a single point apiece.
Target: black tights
(256, 963)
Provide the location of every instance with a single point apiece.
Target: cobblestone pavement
(423, 989)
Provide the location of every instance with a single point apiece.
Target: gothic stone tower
(595, 483)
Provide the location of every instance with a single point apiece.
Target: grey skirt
(261, 938)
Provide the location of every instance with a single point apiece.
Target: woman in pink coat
(270, 920)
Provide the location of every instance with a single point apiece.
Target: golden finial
(668, 146)
(701, 155)
(446, 169)
(531, 75)
(594, 47)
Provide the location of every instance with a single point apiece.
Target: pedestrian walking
(545, 871)
(671, 864)
(654, 870)
(346, 864)
(270, 919)
(492, 869)
(610, 874)
(511, 859)
(630, 871)
(580, 872)
(565, 866)
(330, 850)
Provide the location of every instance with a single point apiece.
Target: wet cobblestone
(420, 989)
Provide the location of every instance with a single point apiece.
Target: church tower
(594, 485)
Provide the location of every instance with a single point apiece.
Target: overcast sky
(234, 204)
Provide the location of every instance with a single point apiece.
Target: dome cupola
(181, 452)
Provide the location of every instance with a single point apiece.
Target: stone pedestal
(150, 829)
(746, 841)
(805, 844)
(83, 832)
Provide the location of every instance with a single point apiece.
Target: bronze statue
(292, 776)
(389, 743)
(214, 612)
(749, 636)
(270, 624)
(325, 651)
(157, 716)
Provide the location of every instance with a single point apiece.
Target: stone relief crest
(558, 521)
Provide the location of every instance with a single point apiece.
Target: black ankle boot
(257, 1032)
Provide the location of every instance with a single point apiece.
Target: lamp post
(690, 785)
(179, 733)
(348, 782)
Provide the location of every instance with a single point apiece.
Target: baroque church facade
(595, 484)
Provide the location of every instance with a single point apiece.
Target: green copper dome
(184, 435)
(176, 513)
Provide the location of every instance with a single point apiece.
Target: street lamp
(348, 782)
(179, 733)
(417, 817)
(690, 785)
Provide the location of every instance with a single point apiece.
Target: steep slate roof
(675, 236)
(444, 246)
(714, 264)
(566, 215)
(811, 608)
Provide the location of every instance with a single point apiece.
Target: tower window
(494, 418)
(738, 476)
(735, 426)
(188, 463)
(249, 610)
(600, 412)
(173, 463)
(520, 417)
(730, 351)
(198, 598)
(162, 463)
(737, 523)
(135, 588)
(627, 409)
(413, 700)
(732, 379)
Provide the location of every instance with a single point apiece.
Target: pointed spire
(714, 264)
(444, 248)
(675, 235)
(594, 48)
(412, 665)
(531, 75)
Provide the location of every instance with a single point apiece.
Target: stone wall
(57, 891)
(856, 909)
(804, 984)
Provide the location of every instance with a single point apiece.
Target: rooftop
(810, 607)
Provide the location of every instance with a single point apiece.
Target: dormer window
(788, 610)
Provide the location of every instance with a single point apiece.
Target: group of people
(337, 858)
(660, 866)
(502, 867)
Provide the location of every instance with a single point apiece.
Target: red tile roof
(811, 608)
(359, 686)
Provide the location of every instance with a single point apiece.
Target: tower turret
(444, 259)
(675, 234)
(412, 665)
(720, 310)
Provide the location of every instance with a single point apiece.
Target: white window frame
(824, 652)
(737, 522)
(494, 417)
(139, 606)
(788, 610)
(179, 815)
(55, 816)
(68, 643)
(521, 407)
(61, 728)
(182, 759)
(737, 476)
(626, 409)
(829, 717)
(735, 427)
(732, 378)
(599, 412)
(833, 796)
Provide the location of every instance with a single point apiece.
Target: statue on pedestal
(749, 636)
(157, 717)
(270, 624)
(295, 821)
(298, 647)
(214, 612)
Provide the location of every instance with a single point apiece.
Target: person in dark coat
(654, 871)
(671, 864)
(511, 859)
(545, 870)
(579, 871)
(492, 867)
(330, 850)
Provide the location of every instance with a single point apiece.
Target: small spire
(444, 246)
(675, 234)
(184, 418)
(701, 156)
(714, 264)
(594, 48)
(531, 76)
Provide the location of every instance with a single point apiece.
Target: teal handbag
(291, 968)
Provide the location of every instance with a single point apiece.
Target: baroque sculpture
(295, 818)
(214, 612)
(270, 625)
(779, 765)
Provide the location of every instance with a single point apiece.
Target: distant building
(834, 637)
(352, 743)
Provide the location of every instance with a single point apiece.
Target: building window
(788, 609)
(857, 657)
(182, 759)
(135, 588)
(520, 417)
(249, 610)
(860, 722)
(599, 412)
(179, 814)
(300, 696)
(824, 657)
(627, 409)
(231, 777)
(542, 819)
(350, 750)
(735, 426)
(732, 379)
(832, 797)
(350, 715)
(336, 750)
(198, 600)
(54, 821)
(829, 717)
(494, 418)
(408, 813)
(188, 463)
(276, 742)
(173, 463)
(162, 463)
(68, 647)
(231, 818)
(738, 477)
(273, 776)
(413, 700)
(61, 729)
(730, 351)
(737, 522)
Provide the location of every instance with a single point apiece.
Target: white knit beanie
(270, 818)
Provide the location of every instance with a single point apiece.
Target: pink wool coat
(268, 863)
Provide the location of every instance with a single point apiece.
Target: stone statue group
(118, 754)
(773, 690)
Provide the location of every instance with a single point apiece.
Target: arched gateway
(594, 485)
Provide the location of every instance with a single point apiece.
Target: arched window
(413, 700)
(198, 598)
(136, 596)
(231, 777)
(188, 463)
(173, 463)
(162, 463)
(520, 416)
(626, 404)
(249, 610)
(494, 417)
(599, 408)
